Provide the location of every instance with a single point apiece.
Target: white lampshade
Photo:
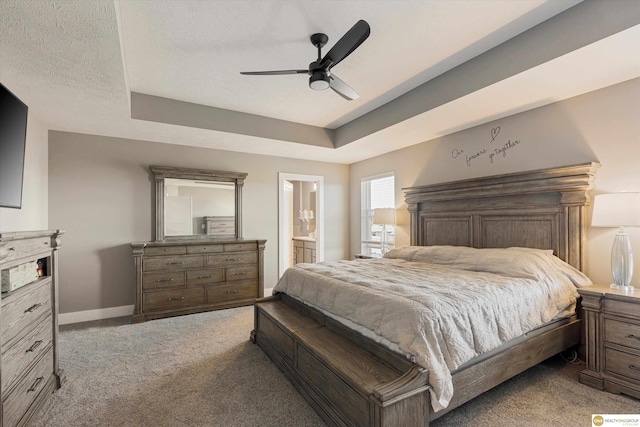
(616, 210)
(384, 216)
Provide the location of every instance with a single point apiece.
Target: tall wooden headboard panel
(544, 209)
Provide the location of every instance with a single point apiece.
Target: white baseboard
(99, 314)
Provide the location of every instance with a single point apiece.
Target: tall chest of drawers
(29, 326)
(183, 277)
(612, 332)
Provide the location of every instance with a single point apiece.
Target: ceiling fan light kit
(319, 71)
(319, 81)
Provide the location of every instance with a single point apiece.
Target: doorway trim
(319, 215)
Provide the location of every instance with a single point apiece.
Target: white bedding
(441, 305)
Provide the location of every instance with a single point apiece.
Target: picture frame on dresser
(211, 268)
(29, 332)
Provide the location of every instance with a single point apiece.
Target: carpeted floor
(201, 370)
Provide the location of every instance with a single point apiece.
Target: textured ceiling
(426, 70)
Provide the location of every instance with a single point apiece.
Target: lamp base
(627, 288)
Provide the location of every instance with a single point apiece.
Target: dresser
(221, 226)
(29, 329)
(304, 250)
(183, 277)
(611, 319)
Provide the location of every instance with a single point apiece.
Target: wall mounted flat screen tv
(13, 135)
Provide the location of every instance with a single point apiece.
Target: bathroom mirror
(197, 203)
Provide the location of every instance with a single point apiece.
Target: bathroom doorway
(300, 220)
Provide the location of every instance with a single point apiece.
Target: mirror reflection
(195, 207)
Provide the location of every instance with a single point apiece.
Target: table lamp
(384, 217)
(618, 210)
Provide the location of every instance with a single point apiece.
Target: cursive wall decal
(490, 152)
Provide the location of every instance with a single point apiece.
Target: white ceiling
(75, 63)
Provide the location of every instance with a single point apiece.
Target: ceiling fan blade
(347, 44)
(342, 89)
(273, 73)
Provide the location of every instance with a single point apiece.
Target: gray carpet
(201, 370)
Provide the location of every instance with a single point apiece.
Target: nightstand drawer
(621, 308)
(622, 333)
(621, 363)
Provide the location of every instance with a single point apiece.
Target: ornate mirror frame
(162, 172)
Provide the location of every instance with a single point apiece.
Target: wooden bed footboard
(351, 380)
(347, 383)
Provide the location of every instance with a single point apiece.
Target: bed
(352, 377)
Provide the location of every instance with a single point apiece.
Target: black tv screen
(13, 135)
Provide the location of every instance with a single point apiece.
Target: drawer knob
(164, 280)
(175, 263)
(34, 346)
(633, 337)
(232, 259)
(634, 367)
(12, 249)
(240, 273)
(175, 299)
(233, 292)
(35, 384)
(205, 277)
(33, 308)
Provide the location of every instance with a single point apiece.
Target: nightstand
(611, 319)
(363, 256)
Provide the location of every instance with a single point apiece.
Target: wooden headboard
(544, 209)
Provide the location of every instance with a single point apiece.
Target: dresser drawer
(179, 298)
(24, 248)
(173, 262)
(204, 277)
(621, 308)
(225, 292)
(621, 363)
(235, 247)
(167, 279)
(622, 333)
(244, 272)
(165, 250)
(27, 390)
(204, 249)
(18, 357)
(231, 259)
(21, 313)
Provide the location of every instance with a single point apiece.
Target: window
(376, 192)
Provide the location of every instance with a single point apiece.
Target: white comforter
(441, 305)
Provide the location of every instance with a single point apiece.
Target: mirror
(197, 204)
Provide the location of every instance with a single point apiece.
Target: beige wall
(600, 126)
(34, 214)
(102, 194)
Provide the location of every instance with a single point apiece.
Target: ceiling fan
(321, 77)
